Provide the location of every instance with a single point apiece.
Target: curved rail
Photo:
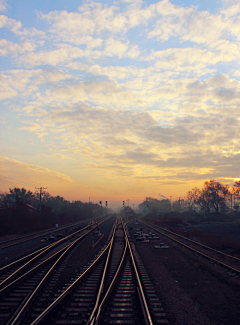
(70, 288)
(103, 279)
(101, 298)
(98, 308)
(33, 257)
(34, 293)
(62, 252)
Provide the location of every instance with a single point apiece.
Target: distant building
(128, 212)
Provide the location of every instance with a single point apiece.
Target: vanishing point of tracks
(112, 289)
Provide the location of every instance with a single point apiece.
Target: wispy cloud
(145, 92)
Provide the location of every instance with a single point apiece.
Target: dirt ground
(227, 229)
(191, 290)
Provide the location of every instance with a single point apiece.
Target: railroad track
(26, 238)
(14, 269)
(225, 261)
(34, 275)
(113, 289)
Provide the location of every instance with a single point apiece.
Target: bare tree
(193, 197)
(236, 194)
(215, 195)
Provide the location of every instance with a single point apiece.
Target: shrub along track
(24, 280)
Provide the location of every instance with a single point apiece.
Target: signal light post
(100, 202)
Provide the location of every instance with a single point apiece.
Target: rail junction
(112, 288)
(94, 275)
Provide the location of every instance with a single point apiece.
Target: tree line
(22, 211)
(213, 197)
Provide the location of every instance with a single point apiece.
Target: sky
(119, 100)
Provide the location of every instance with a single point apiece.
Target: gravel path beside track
(190, 290)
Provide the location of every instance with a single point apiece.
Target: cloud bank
(146, 92)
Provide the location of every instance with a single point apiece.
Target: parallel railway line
(112, 289)
(12, 270)
(39, 234)
(225, 261)
(24, 279)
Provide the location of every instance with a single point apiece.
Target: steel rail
(110, 288)
(33, 294)
(94, 317)
(41, 252)
(192, 241)
(15, 313)
(103, 278)
(147, 315)
(69, 289)
(41, 233)
(197, 252)
(41, 264)
(22, 259)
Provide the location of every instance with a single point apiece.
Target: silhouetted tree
(236, 188)
(216, 194)
(193, 197)
(236, 194)
(20, 195)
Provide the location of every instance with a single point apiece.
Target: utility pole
(179, 200)
(40, 197)
(128, 202)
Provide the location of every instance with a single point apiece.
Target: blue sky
(110, 99)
